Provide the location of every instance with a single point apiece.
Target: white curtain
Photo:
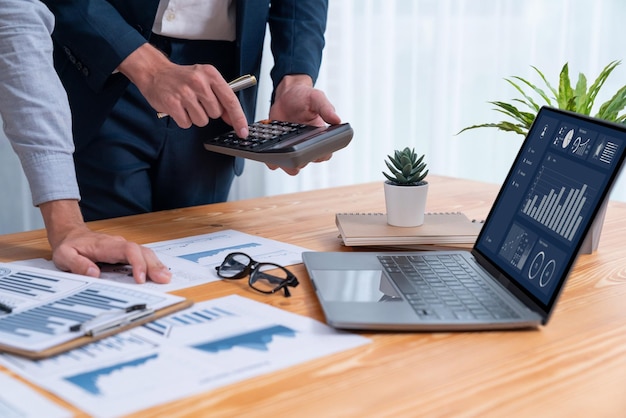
(414, 73)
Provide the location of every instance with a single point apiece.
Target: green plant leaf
(566, 94)
(579, 99)
(395, 171)
(597, 85)
(525, 118)
(580, 93)
(547, 83)
(529, 100)
(536, 89)
(503, 126)
(405, 167)
(610, 109)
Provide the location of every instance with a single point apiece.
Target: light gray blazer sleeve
(33, 103)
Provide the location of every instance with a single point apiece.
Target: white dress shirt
(196, 19)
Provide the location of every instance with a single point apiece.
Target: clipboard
(42, 309)
(86, 339)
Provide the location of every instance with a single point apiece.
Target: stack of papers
(209, 345)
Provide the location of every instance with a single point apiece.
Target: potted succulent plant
(405, 188)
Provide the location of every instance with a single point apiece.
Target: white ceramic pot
(405, 204)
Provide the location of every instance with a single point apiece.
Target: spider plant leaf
(579, 99)
(529, 100)
(580, 92)
(536, 89)
(507, 109)
(598, 83)
(525, 103)
(482, 125)
(523, 122)
(547, 83)
(610, 109)
(564, 98)
(511, 127)
(525, 118)
(571, 104)
(503, 126)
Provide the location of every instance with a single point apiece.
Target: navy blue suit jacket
(92, 37)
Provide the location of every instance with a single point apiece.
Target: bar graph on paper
(557, 202)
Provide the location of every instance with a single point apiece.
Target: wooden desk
(575, 366)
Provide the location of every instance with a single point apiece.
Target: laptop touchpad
(355, 286)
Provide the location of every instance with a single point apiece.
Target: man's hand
(76, 248)
(190, 94)
(297, 101)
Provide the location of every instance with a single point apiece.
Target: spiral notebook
(372, 229)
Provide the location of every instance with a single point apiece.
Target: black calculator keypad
(262, 135)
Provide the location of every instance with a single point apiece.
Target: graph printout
(206, 346)
(46, 305)
(17, 400)
(192, 260)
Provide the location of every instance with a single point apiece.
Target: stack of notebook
(439, 229)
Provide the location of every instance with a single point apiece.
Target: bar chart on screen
(559, 209)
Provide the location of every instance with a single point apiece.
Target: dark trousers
(138, 163)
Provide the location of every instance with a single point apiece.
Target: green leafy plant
(406, 168)
(579, 99)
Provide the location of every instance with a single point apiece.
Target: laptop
(513, 275)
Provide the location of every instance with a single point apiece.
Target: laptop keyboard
(445, 287)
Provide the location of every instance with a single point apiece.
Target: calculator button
(261, 134)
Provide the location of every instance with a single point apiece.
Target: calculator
(286, 144)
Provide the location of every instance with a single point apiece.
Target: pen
(120, 322)
(132, 308)
(5, 308)
(237, 84)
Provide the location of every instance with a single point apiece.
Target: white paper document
(41, 308)
(192, 260)
(17, 400)
(211, 344)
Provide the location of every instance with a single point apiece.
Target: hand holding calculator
(286, 144)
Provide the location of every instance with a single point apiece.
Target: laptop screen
(549, 199)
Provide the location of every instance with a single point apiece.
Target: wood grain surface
(575, 366)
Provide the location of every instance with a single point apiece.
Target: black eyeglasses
(239, 265)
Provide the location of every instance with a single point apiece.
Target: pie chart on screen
(568, 138)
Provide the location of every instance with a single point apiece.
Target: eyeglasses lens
(267, 277)
(234, 266)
